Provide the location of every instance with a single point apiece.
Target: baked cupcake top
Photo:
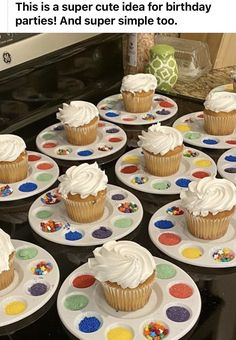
(11, 146)
(221, 101)
(77, 113)
(85, 179)
(6, 249)
(160, 139)
(209, 195)
(124, 262)
(139, 82)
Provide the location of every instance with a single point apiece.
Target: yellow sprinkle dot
(182, 127)
(131, 159)
(119, 333)
(228, 87)
(192, 252)
(203, 163)
(15, 307)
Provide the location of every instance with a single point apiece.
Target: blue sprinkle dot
(164, 224)
(89, 324)
(85, 153)
(73, 236)
(183, 182)
(112, 130)
(163, 112)
(230, 158)
(210, 141)
(112, 114)
(27, 187)
(117, 197)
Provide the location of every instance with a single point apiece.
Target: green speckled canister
(163, 66)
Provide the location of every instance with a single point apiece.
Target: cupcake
(13, 159)
(80, 120)
(126, 271)
(83, 189)
(137, 91)
(162, 148)
(7, 254)
(220, 113)
(209, 205)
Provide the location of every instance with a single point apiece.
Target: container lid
(163, 49)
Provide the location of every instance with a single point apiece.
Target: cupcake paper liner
(7, 276)
(137, 102)
(11, 172)
(221, 124)
(82, 135)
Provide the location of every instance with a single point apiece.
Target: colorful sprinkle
(64, 151)
(85, 153)
(163, 112)
(89, 324)
(210, 141)
(231, 141)
(83, 281)
(5, 191)
(123, 223)
(26, 253)
(76, 302)
(128, 207)
(192, 252)
(34, 158)
(164, 224)
(51, 226)
(169, 239)
(45, 177)
(155, 331)
(45, 166)
(192, 135)
(112, 130)
(51, 197)
(42, 268)
(176, 211)
(183, 182)
(73, 235)
(223, 255)
(139, 180)
(164, 185)
(59, 127)
(203, 163)
(38, 289)
(120, 333)
(230, 170)
(49, 145)
(189, 153)
(181, 291)
(101, 233)
(43, 214)
(112, 114)
(183, 127)
(105, 147)
(200, 174)
(129, 169)
(177, 314)
(230, 158)
(165, 271)
(15, 307)
(28, 187)
(149, 117)
(115, 139)
(165, 103)
(118, 197)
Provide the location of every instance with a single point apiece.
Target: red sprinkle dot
(49, 145)
(45, 166)
(200, 116)
(165, 104)
(128, 119)
(200, 174)
(100, 124)
(83, 281)
(130, 169)
(181, 291)
(169, 239)
(115, 139)
(33, 158)
(231, 141)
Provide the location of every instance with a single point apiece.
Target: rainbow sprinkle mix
(223, 255)
(50, 226)
(42, 268)
(155, 331)
(189, 153)
(176, 211)
(128, 207)
(139, 180)
(5, 191)
(51, 197)
(63, 152)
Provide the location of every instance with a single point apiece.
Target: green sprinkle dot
(192, 135)
(26, 253)
(76, 302)
(44, 177)
(42, 214)
(161, 185)
(48, 136)
(165, 271)
(123, 223)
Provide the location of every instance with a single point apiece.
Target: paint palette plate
(32, 287)
(168, 231)
(227, 165)
(123, 214)
(112, 109)
(191, 127)
(52, 141)
(175, 302)
(130, 169)
(42, 173)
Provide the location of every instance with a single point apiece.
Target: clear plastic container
(193, 57)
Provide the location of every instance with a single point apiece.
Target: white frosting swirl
(160, 139)
(11, 146)
(6, 249)
(85, 179)
(221, 101)
(124, 262)
(209, 195)
(77, 113)
(139, 82)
